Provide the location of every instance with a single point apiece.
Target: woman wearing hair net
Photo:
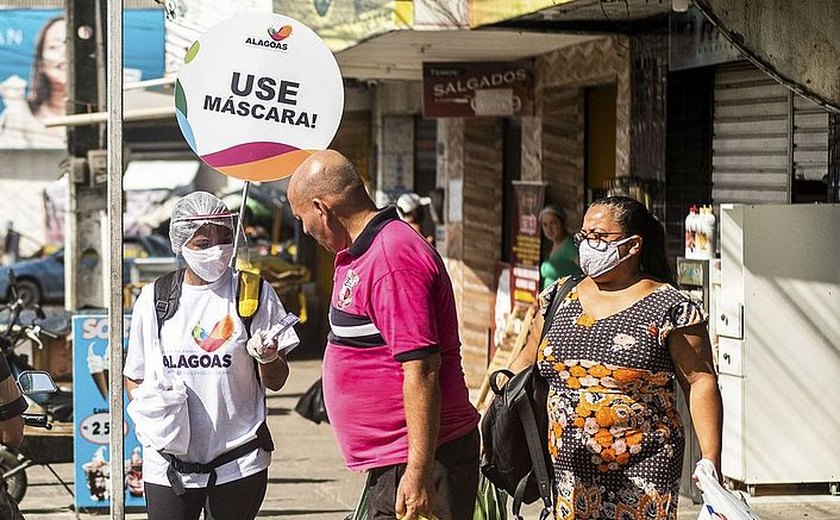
(205, 344)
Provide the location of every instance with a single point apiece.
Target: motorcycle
(31, 383)
(57, 405)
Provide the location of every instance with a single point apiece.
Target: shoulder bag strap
(535, 442)
(557, 298)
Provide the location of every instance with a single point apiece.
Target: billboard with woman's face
(33, 69)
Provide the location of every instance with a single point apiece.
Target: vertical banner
(91, 426)
(526, 236)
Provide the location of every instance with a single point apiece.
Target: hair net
(193, 211)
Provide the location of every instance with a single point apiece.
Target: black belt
(177, 467)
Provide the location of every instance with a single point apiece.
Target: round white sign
(257, 94)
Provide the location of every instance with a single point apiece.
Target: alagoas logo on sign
(277, 36)
(280, 35)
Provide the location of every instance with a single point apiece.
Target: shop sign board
(257, 94)
(91, 420)
(501, 89)
(693, 41)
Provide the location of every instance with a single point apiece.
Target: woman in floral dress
(619, 342)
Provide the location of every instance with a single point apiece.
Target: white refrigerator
(778, 322)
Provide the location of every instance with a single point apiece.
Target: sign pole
(115, 231)
(240, 229)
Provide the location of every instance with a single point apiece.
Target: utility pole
(84, 246)
(114, 84)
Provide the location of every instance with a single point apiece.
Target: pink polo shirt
(392, 302)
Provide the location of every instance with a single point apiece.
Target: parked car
(41, 280)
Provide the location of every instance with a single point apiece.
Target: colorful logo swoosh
(280, 35)
(221, 333)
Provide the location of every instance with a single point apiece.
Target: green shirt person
(563, 258)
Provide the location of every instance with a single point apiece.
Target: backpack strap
(539, 471)
(534, 439)
(248, 293)
(167, 296)
(557, 297)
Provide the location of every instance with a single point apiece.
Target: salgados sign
(257, 94)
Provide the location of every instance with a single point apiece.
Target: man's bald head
(328, 196)
(330, 176)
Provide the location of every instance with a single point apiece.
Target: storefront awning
(400, 55)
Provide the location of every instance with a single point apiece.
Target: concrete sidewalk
(307, 477)
(308, 480)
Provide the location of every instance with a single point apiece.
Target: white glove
(262, 349)
(707, 466)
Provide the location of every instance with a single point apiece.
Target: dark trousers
(237, 500)
(456, 482)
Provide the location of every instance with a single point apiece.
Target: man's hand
(11, 432)
(415, 495)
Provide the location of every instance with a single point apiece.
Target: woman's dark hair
(635, 219)
(40, 88)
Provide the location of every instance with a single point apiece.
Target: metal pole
(240, 230)
(114, 269)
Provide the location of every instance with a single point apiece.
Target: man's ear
(321, 207)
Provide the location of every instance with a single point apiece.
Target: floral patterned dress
(614, 433)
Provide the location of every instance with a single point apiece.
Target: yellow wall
(483, 12)
(601, 135)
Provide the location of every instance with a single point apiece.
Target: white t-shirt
(204, 344)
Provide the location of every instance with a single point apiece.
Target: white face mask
(594, 263)
(209, 264)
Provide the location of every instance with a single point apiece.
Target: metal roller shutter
(750, 141)
(758, 124)
(810, 157)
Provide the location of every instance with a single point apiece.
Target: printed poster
(91, 420)
(526, 236)
(33, 69)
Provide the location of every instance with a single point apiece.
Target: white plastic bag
(161, 416)
(719, 503)
(159, 408)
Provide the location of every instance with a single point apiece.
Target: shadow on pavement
(298, 512)
(280, 480)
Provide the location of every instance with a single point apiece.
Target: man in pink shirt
(393, 383)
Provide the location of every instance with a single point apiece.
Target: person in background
(12, 405)
(411, 209)
(619, 343)
(562, 259)
(226, 369)
(393, 384)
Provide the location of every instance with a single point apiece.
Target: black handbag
(515, 430)
(311, 404)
